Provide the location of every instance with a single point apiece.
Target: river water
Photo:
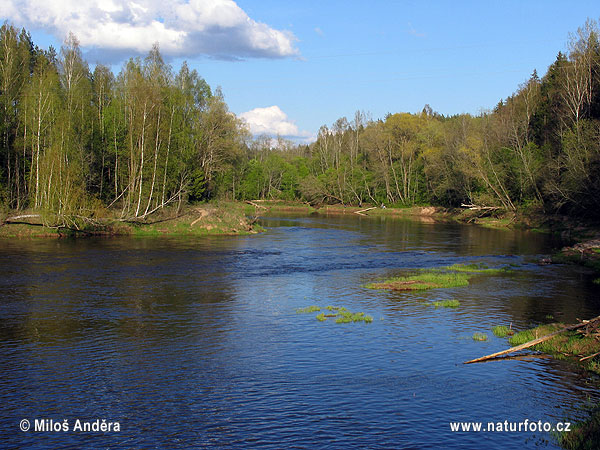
(196, 343)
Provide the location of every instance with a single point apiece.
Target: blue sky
(307, 63)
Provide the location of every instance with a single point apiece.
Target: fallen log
(256, 205)
(532, 343)
(364, 210)
(14, 219)
(480, 208)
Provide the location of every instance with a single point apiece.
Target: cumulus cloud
(272, 121)
(183, 28)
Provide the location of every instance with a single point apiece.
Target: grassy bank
(194, 220)
(567, 345)
(273, 206)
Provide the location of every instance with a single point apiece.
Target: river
(196, 343)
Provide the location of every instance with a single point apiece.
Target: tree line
(78, 142)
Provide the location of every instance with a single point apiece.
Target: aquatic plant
(342, 315)
(477, 336)
(346, 316)
(308, 309)
(502, 331)
(456, 275)
(475, 268)
(446, 304)
(422, 281)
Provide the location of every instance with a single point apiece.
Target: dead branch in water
(534, 342)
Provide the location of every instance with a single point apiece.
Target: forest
(77, 143)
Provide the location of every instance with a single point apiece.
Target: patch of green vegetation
(568, 343)
(456, 275)
(342, 315)
(596, 281)
(583, 435)
(502, 331)
(549, 317)
(593, 366)
(475, 268)
(446, 304)
(422, 281)
(477, 336)
(308, 309)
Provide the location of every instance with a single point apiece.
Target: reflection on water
(195, 342)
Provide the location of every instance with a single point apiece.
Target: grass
(477, 336)
(502, 331)
(193, 220)
(308, 309)
(423, 281)
(446, 304)
(583, 435)
(456, 275)
(475, 268)
(566, 344)
(341, 314)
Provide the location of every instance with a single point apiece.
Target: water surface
(195, 343)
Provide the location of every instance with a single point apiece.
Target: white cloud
(272, 121)
(186, 28)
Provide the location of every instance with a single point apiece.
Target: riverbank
(193, 220)
(423, 213)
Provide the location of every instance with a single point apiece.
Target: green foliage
(308, 309)
(501, 331)
(197, 187)
(446, 304)
(476, 268)
(149, 137)
(342, 315)
(423, 281)
(583, 435)
(477, 336)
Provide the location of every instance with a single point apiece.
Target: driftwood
(480, 208)
(534, 342)
(589, 357)
(17, 219)
(256, 205)
(364, 210)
